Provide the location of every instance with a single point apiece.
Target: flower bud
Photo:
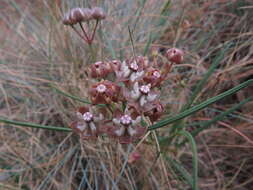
(100, 69)
(67, 20)
(87, 14)
(98, 13)
(76, 15)
(175, 55)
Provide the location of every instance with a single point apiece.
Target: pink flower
(104, 92)
(125, 128)
(100, 69)
(87, 124)
(154, 77)
(142, 94)
(175, 55)
(129, 71)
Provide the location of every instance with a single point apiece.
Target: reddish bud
(115, 65)
(100, 69)
(175, 55)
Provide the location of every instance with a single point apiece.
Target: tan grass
(36, 50)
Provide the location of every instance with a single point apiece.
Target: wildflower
(129, 71)
(87, 124)
(100, 69)
(104, 92)
(142, 94)
(125, 128)
(154, 77)
(175, 55)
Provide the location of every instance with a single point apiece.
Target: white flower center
(134, 66)
(145, 89)
(126, 120)
(87, 116)
(101, 88)
(157, 74)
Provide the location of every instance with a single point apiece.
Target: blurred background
(37, 50)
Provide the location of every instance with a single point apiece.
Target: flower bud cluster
(129, 93)
(79, 15)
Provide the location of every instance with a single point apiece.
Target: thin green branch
(200, 106)
(69, 95)
(32, 125)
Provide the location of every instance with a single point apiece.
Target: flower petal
(143, 100)
(119, 132)
(82, 126)
(131, 131)
(137, 120)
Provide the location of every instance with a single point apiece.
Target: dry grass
(36, 50)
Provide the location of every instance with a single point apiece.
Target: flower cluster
(124, 97)
(80, 15)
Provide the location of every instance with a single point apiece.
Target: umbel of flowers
(124, 93)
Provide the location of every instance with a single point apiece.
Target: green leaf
(32, 125)
(194, 158)
(69, 95)
(200, 106)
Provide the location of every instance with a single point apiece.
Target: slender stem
(132, 42)
(73, 97)
(85, 34)
(80, 35)
(94, 31)
(93, 53)
(33, 125)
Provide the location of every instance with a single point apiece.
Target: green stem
(200, 106)
(26, 124)
(69, 95)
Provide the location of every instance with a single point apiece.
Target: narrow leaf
(194, 158)
(200, 106)
(32, 125)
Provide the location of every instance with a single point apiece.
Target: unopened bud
(98, 13)
(175, 55)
